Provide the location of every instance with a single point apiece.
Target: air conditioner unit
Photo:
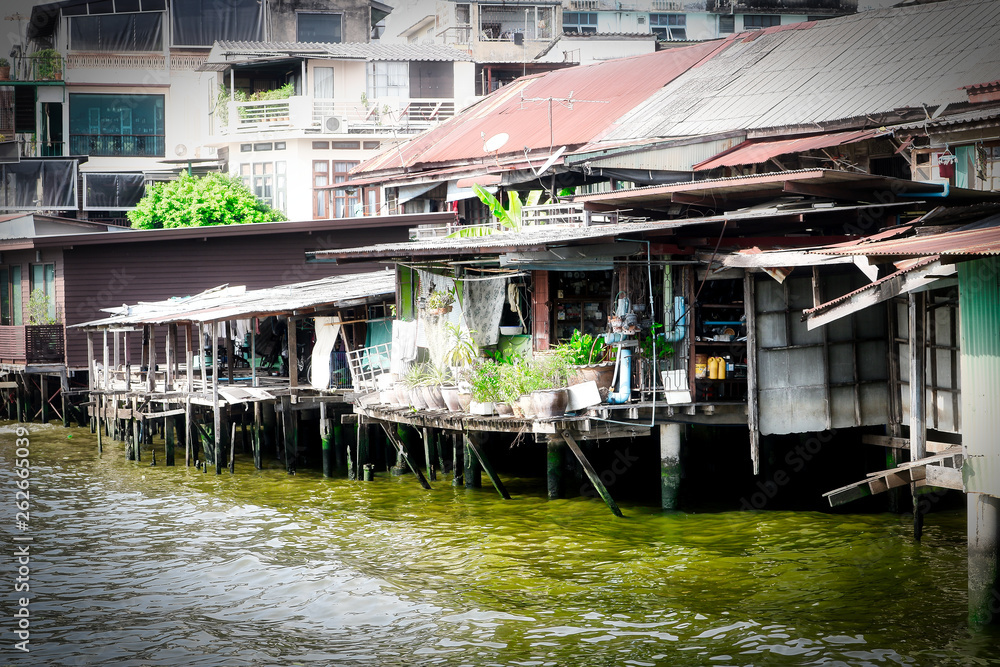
(335, 125)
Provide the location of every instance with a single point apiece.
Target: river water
(138, 565)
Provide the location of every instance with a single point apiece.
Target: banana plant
(509, 217)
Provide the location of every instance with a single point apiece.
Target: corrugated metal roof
(755, 152)
(954, 119)
(601, 93)
(236, 303)
(978, 241)
(847, 67)
(230, 52)
(872, 286)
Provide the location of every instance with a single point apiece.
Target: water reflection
(141, 565)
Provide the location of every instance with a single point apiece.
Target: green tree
(189, 201)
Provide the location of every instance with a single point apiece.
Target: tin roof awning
(757, 152)
(981, 238)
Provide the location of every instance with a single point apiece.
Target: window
(580, 22)
(727, 24)
(203, 22)
(33, 185)
(318, 27)
(334, 203)
(116, 33)
(268, 181)
(109, 192)
(43, 277)
(10, 295)
(323, 83)
(116, 125)
(319, 145)
(760, 21)
(668, 26)
(503, 22)
(388, 79)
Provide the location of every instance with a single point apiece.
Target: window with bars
(760, 21)
(580, 22)
(668, 26)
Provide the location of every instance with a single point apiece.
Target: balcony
(117, 145)
(333, 116)
(36, 69)
(37, 344)
(810, 7)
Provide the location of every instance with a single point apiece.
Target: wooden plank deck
(942, 469)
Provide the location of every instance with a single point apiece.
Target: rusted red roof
(567, 107)
(980, 241)
(756, 152)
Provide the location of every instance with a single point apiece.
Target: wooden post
(326, 441)
(591, 473)
(352, 466)
(918, 433)
(428, 436)
(473, 471)
(339, 445)
(216, 412)
(168, 440)
(554, 466)
(64, 394)
(232, 449)
(288, 424)
(753, 408)
(91, 368)
(253, 352)
(293, 355)
(151, 360)
(475, 440)
(363, 453)
(45, 397)
(229, 351)
(168, 372)
(458, 458)
(256, 435)
(189, 441)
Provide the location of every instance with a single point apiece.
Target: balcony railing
(333, 116)
(22, 344)
(117, 145)
(35, 68)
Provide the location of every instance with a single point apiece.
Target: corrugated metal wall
(979, 300)
(835, 376)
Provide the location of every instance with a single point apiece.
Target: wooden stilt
(256, 435)
(326, 441)
(591, 473)
(232, 450)
(189, 441)
(229, 352)
(473, 471)
(429, 453)
(457, 459)
(352, 470)
(401, 447)
(339, 445)
(288, 421)
(216, 411)
(554, 466)
(918, 432)
(43, 386)
(363, 452)
(168, 440)
(475, 440)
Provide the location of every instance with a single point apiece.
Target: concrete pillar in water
(364, 449)
(554, 449)
(670, 464)
(984, 559)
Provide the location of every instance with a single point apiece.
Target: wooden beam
(401, 448)
(475, 444)
(947, 478)
(592, 475)
(933, 446)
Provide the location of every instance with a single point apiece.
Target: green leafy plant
(663, 348)
(582, 349)
(440, 299)
(190, 201)
(462, 348)
(48, 64)
(4, 62)
(509, 217)
(40, 309)
(487, 382)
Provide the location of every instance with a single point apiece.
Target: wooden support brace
(591, 473)
(401, 448)
(475, 444)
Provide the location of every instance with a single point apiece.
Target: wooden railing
(24, 344)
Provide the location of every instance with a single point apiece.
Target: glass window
(4, 295)
(117, 32)
(203, 22)
(759, 21)
(388, 79)
(727, 24)
(344, 201)
(321, 198)
(580, 22)
(10, 295)
(38, 185)
(668, 26)
(116, 125)
(318, 27)
(323, 83)
(43, 277)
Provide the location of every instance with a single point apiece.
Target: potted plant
(433, 378)
(439, 302)
(549, 395)
(412, 381)
(486, 387)
(48, 64)
(584, 354)
(663, 350)
(4, 69)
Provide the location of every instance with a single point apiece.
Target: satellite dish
(552, 158)
(495, 142)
